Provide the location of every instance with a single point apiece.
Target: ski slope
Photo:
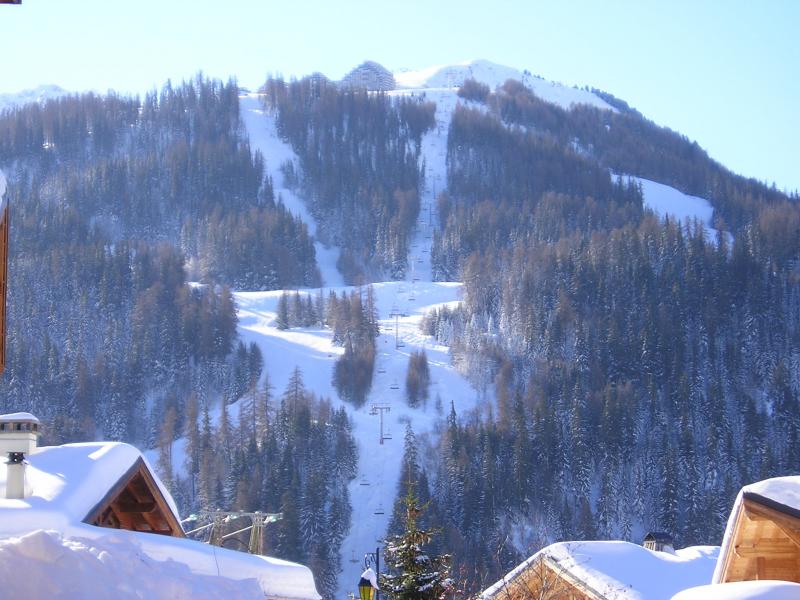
(261, 128)
(666, 201)
(493, 75)
(401, 306)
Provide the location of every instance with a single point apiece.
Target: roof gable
(135, 502)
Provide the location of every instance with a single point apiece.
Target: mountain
(39, 95)
(494, 75)
(582, 325)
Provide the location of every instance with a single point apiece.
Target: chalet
(82, 490)
(605, 571)
(658, 541)
(762, 540)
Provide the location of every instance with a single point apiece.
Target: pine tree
(413, 575)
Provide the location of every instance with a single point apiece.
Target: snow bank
(66, 483)
(622, 570)
(493, 75)
(743, 590)
(46, 564)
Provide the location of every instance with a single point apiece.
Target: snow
(781, 490)
(66, 483)
(494, 75)
(2, 192)
(743, 590)
(667, 201)
(370, 576)
(40, 94)
(262, 130)
(312, 351)
(625, 571)
(61, 567)
(18, 416)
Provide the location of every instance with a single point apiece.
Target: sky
(721, 72)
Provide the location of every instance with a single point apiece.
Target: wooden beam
(770, 549)
(135, 507)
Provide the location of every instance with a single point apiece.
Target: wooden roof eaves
(137, 467)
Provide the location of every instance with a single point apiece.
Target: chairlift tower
(379, 409)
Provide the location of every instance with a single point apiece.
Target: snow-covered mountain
(493, 75)
(39, 94)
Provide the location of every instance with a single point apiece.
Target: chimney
(19, 433)
(15, 478)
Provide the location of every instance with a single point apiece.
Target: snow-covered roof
(743, 590)
(782, 493)
(779, 493)
(622, 570)
(67, 482)
(2, 192)
(18, 416)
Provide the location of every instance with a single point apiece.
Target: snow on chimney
(19, 434)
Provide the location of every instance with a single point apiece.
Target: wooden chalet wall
(765, 543)
(544, 579)
(137, 504)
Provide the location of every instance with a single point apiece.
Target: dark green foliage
(299, 464)
(413, 574)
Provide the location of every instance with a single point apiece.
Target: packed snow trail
(261, 128)
(400, 305)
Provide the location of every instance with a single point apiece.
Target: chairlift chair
(394, 385)
(379, 510)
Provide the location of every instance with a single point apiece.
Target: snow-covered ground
(493, 75)
(373, 492)
(667, 201)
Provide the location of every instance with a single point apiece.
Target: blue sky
(724, 73)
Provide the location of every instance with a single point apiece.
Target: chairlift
(353, 558)
(363, 480)
(387, 435)
(394, 385)
(379, 510)
(381, 370)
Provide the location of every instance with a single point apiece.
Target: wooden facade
(543, 579)
(137, 504)
(764, 542)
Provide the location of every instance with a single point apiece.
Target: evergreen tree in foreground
(413, 575)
